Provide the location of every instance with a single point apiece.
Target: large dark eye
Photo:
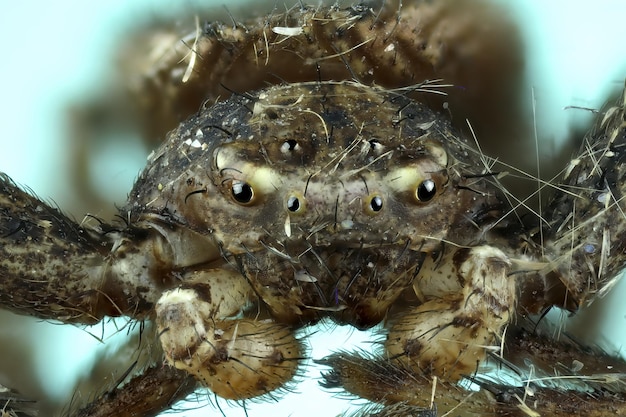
(372, 204)
(376, 203)
(242, 192)
(426, 190)
(293, 204)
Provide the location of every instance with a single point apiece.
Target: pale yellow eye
(373, 204)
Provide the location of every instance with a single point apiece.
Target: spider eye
(242, 192)
(376, 203)
(293, 204)
(373, 204)
(290, 145)
(376, 146)
(426, 190)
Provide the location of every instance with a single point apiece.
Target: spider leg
(54, 268)
(147, 394)
(586, 234)
(554, 377)
(448, 336)
(386, 43)
(398, 389)
(444, 338)
(49, 264)
(565, 379)
(201, 333)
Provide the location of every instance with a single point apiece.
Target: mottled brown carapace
(310, 174)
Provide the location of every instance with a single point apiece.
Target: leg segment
(466, 300)
(447, 336)
(148, 394)
(400, 390)
(236, 358)
(555, 379)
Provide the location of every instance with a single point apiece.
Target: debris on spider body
(390, 44)
(315, 199)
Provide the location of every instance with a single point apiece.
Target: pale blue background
(51, 52)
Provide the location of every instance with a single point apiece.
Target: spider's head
(319, 164)
(355, 186)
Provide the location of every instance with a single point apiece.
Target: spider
(342, 169)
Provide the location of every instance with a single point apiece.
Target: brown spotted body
(314, 191)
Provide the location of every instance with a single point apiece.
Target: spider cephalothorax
(326, 195)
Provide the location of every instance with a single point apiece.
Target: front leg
(201, 332)
(466, 298)
(447, 336)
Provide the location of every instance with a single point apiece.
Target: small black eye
(376, 203)
(426, 190)
(375, 145)
(242, 192)
(293, 204)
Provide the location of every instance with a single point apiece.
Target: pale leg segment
(201, 333)
(447, 336)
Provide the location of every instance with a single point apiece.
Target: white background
(54, 52)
